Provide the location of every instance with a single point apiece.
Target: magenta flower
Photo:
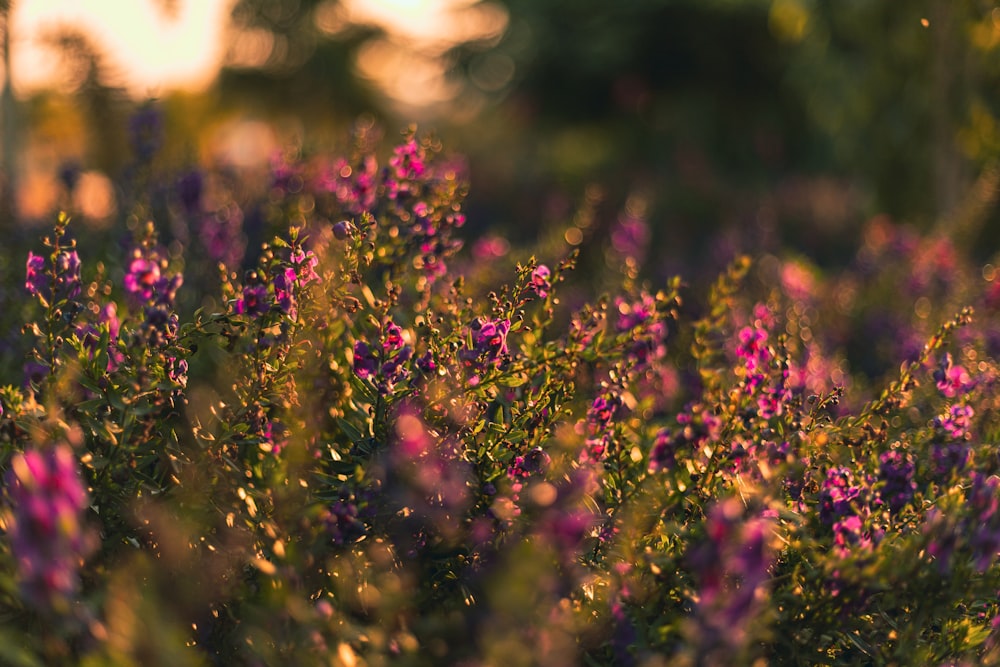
(254, 302)
(541, 281)
(304, 263)
(896, 476)
(141, 279)
(756, 356)
(48, 541)
(951, 378)
(36, 280)
(956, 422)
(284, 292)
(838, 495)
(387, 366)
(732, 566)
(849, 536)
(407, 164)
(489, 345)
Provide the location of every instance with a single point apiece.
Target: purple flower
(189, 191)
(647, 331)
(948, 458)
(838, 495)
(284, 291)
(849, 536)
(955, 424)
(732, 567)
(489, 344)
(426, 364)
(48, 541)
(304, 263)
(386, 366)
(536, 461)
(141, 279)
(392, 338)
(36, 280)
(599, 424)
(952, 379)
(67, 267)
(177, 370)
(254, 302)
(540, 283)
(896, 476)
(407, 164)
(756, 356)
(365, 363)
(663, 454)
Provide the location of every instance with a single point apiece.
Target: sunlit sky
(150, 51)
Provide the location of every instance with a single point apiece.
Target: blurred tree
(296, 57)
(800, 117)
(683, 99)
(103, 105)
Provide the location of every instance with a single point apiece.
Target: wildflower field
(295, 420)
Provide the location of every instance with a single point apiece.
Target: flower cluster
(976, 533)
(839, 496)
(45, 524)
(952, 379)
(276, 287)
(385, 365)
(645, 329)
(599, 424)
(770, 389)
(486, 347)
(731, 566)
(354, 186)
(895, 475)
(347, 449)
(55, 280)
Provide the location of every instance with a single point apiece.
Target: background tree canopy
(750, 124)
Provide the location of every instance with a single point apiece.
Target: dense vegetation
(360, 443)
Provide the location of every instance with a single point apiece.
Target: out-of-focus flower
(896, 477)
(489, 345)
(838, 495)
(45, 527)
(254, 302)
(66, 268)
(951, 378)
(732, 569)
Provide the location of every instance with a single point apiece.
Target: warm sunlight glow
(407, 63)
(147, 50)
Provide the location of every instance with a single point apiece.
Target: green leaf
(353, 433)
(364, 388)
(515, 380)
(14, 655)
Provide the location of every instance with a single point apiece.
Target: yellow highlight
(788, 20)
